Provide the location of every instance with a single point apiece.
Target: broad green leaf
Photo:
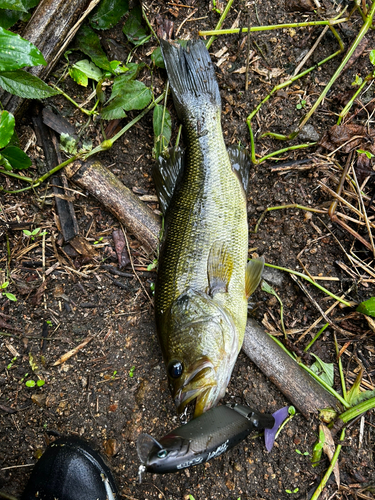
(132, 95)
(79, 76)
(13, 5)
(88, 42)
(114, 110)
(15, 52)
(16, 157)
(109, 13)
(89, 68)
(162, 124)
(324, 370)
(25, 85)
(7, 123)
(8, 18)
(10, 296)
(367, 307)
(133, 28)
(120, 81)
(157, 58)
(30, 383)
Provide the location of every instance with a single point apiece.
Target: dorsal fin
(219, 268)
(166, 174)
(254, 271)
(241, 163)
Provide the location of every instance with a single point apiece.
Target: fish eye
(175, 369)
(162, 453)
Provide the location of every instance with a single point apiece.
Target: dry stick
(364, 214)
(328, 320)
(310, 52)
(131, 262)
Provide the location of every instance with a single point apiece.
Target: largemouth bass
(203, 279)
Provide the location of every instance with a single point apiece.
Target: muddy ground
(115, 387)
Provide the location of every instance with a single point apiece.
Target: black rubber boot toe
(70, 469)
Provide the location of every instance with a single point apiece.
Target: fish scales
(200, 296)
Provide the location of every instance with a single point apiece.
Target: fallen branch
(118, 199)
(297, 385)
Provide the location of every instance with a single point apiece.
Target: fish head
(200, 352)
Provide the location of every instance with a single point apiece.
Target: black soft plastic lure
(70, 469)
(205, 437)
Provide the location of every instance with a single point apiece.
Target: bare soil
(115, 387)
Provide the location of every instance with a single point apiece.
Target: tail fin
(191, 76)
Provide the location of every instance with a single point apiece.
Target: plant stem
(329, 22)
(357, 410)
(316, 337)
(361, 34)
(307, 278)
(87, 112)
(220, 23)
(327, 475)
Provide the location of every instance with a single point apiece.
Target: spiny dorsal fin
(219, 268)
(241, 163)
(166, 174)
(254, 271)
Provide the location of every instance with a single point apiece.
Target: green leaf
(4, 285)
(133, 28)
(133, 95)
(8, 18)
(88, 42)
(89, 68)
(372, 57)
(324, 370)
(79, 76)
(16, 157)
(68, 144)
(355, 395)
(40, 383)
(157, 58)
(130, 74)
(25, 85)
(15, 52)
(13, 5)
(109, 13)
(30, 383)
(367, 307)
(7, 123)
(162, 124)
(114, 110)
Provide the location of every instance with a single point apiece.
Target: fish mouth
(200, 384)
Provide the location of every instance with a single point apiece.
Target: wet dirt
(115, 387)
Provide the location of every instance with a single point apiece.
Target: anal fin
(254, 271)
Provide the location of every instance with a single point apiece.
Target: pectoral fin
(219, 268)
(254, 271)
(166, 174)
